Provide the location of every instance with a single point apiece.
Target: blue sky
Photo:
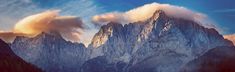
(222, 12)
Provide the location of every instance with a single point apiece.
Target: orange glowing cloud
(9, 36)
(70, 27)
(230, 37)
(34, 24)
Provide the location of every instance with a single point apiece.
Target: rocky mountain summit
(51, 52)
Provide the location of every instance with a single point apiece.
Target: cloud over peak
(34, 24)
(70, 27)
(146, 11)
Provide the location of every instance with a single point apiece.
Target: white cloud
(144, 12)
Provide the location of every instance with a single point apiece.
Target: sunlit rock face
(219, 59)
(51, 52)
(159, 44)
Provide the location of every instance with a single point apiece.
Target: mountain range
(160, 44)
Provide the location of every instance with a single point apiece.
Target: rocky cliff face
(9, 62)
(51, 52)
(160, 44)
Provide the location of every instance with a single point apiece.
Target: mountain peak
(105, 32)
(160, 23)
(113, 27)
(158, 13)
(47, 47)
(52, 35)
